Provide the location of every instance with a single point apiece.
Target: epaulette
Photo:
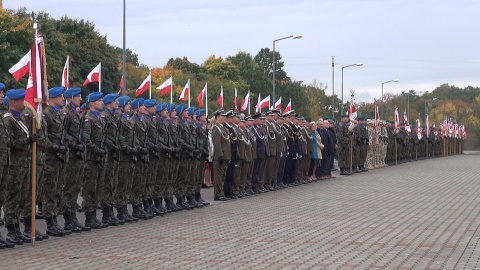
(7, 114)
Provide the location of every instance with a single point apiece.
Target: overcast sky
(423, 43)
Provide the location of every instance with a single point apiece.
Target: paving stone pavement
(419, 215)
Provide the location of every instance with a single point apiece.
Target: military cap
(344, 115)
(361, 118)
(275, 110)
(149, 102)
(200, 112)
(243, 120)
(5, 101)
(72, 92)
(191, 111)
(92, 97)
(55, 91)
(327, 117)
(180, 108)
(258, 115)
(136, 103)
(109, 98)
(248, 118)
(370, 121)
(270, 113)
(123, 100)
(15, 94)
(220, 112)
(171, 107)
(162, 106)
(230, 114)
(2, 86)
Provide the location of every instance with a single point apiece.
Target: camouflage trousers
(171, 182)
(110, 182)
(160, 183)
(369, 162)
(184, 174)
(198, 175)
(3, 182)
(126, 172)
(17, 195)
(139, 182)
(73, 183)
(92, 178)
(53, 182)
(344, 156)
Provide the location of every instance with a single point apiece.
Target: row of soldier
(112, 152)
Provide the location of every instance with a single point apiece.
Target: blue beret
(5, 101)
(191, 110)
(55, 91)
(137, 103)
(160, 107)
(200, 112)
(72, 92)
(123, 100)
(109, 98)
(2, 86)
(15, 94)
(149, 102)
(171, 107)
(92, 97)
(180, 108)
(83, 107)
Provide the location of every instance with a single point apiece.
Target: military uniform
(221, 156)
(270, 173)
(261, 154)
(344, 135)
(186, 157)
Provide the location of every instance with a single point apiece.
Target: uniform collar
(97, 114)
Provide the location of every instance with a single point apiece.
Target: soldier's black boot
(147, 209)
(158, 205)
(122, 218)
(64, 231)
(39, 214)
(78, 224)
(127, 214)
(188, 205)
(107, 218)
(154, 209)
(6, 243)
(27, 223)
(90, 221)
(51, 228)
(175, 208)
(138, 212)
(78, 208)
(169, 205)
(192, 202)
(21, 236)
(69, 225)
(198, 198)
(114, 218)
(12, 235)
(182, 204)
(95, 219)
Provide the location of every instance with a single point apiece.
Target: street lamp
(358, 65)
(396, 80)
(296, 36)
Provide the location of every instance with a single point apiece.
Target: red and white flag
(245, 102)
(289, 107)
(37, 92)
(265, 103)
(94, 75)
(166, 87)
(65, 72)
(419, 130)
(120, 86)
(202, 96)
(21, 68)
(352, 110)
(220, 99)
(146, 85)
(235, 100)
(278, 104)
(185, 92)
(397, 118)
(427, 125)
(407, 124)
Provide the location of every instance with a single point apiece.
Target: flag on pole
(120, 86)
(427, 125)
(94, 75)
(65, 72)
(419, 130)
(257, 107)
(144, 86)
(235, 100)
(397, 118)
(405, 120)
(37, 93)
(289, 107)
(245, 102)
(185, 92)
(278, 104)
(220, 98)
(166, 87)
(352, 110)
(265, 103)
(21, 68)
(201, 96)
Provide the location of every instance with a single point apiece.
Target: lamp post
(296, 36)
(358, 65)
(396, 80)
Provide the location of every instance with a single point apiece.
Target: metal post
(382, 103)
(124, 57)
(274, 71)
(333, 88)
(341, 106)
